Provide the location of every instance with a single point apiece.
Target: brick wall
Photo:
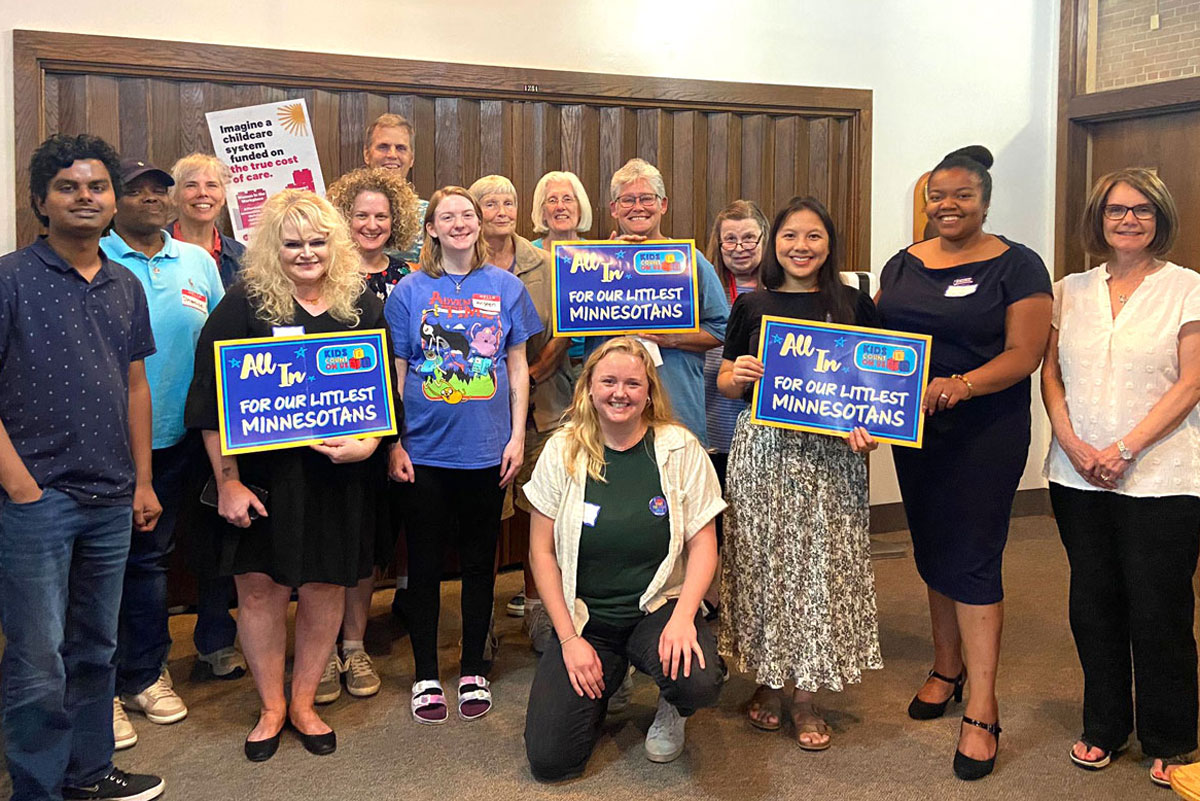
(1129, 53)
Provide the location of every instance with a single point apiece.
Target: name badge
(287, 330)
(590, 510)
(961, 288)
(195, 300)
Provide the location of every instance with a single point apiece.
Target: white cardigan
(688, 482)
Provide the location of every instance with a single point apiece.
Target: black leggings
(461, 507)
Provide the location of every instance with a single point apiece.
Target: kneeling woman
(316, 525)
(622, 545)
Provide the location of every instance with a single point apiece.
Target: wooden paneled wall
(714, 142)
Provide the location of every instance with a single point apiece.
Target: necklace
(457, 284)
(1123, 297)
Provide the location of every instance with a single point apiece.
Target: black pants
(459, 507)
(562, 727)
(1132, 561)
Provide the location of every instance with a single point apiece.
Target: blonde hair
(537, 214)
(583, 425)
(192, 163)
(431, 251)
(402, 201)
(491, 185)
(633, 170)
(387, 121)
(266, 285)
(1091, 229)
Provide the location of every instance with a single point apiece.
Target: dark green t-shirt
(628, 536)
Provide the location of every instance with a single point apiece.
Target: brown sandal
(808, 720)
(765, 702)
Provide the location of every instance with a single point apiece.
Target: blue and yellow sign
(284, 392)
(616, 287)
(830, 378)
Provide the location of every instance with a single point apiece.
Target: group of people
(656, 506)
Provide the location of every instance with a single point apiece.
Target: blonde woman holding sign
(302, 518)
(797, 589)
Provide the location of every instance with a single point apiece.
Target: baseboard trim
(1028, 503)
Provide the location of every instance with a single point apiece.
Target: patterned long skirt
(797, 588)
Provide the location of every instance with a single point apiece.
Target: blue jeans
(61, 565)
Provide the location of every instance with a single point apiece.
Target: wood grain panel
(468, 124)
(448, 148)
(819, 176)
(352, 110)
(491, 137)
(422, 113)
(683, 205)
(193, 129)
(327, 137)
(754, 167)
(72, 104)
(134, 111)
(163, 145)
(103, 102)
(785, 160)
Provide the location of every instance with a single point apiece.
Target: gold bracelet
(564, 642)
(970, 386)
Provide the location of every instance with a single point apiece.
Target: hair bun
(977, 153)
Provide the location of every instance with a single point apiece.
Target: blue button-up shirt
(182, 286)
(66, 345)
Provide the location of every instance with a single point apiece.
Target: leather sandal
(476, 700)
(927, 710)
(429, 703)
(969, 769)
(807, 720)
(763, 704)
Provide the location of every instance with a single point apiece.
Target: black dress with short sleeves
(326, 522)
(958, 489)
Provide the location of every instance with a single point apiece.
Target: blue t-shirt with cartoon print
(454, 332)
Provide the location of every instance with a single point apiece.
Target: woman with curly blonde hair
(644, 490)
(381, 209)
(305, 518)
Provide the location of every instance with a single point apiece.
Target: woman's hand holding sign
(747, 370)
(344, 450)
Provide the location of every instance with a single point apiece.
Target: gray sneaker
(330, 688)
(619, 701)
(664, 740)
(361, 678)
(537, 625)
(226, 663)
(158, 702)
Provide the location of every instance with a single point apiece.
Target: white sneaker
(330, 687)
(158, 702)
(123, 734)
(664, 740)
(361, 678)
(619, 701)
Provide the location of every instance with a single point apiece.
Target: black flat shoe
(924, 710)
(262, 750)
(318, 744)
(969, 769)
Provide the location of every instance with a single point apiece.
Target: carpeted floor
(878, 752)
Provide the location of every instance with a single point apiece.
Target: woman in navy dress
(986, 302)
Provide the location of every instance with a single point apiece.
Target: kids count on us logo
(664, 261)
(879, 357)
(355, 357)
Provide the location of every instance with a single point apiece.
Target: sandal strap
(475, 695)
(955, 681)
(991, 728)
(426, 685)
(478, 681)
(427, 700)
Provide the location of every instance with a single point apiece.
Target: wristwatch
(1126, 454)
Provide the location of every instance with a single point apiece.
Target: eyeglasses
(746, 243)
(1115, 211)
(629, 201)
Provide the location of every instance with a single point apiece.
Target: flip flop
(808, 720)
(765, 701)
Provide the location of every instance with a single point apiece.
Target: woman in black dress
(986, 302)
(317, 526)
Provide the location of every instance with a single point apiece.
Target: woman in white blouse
(1120, 381)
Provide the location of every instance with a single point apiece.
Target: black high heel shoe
(924, 710)
(969, 769)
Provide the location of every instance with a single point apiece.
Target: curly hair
(583, 424)
(61, 151)
(402, 201)
(267, 286)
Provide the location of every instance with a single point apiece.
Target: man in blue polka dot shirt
(75, 478)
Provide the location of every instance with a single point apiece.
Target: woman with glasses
(798, 592)
(986, 302)
(1120, 381)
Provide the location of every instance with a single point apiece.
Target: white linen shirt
(693, 499)
(1115, 370)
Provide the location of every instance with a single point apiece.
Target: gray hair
(491, 185)
(632, 171)
(539, 199)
